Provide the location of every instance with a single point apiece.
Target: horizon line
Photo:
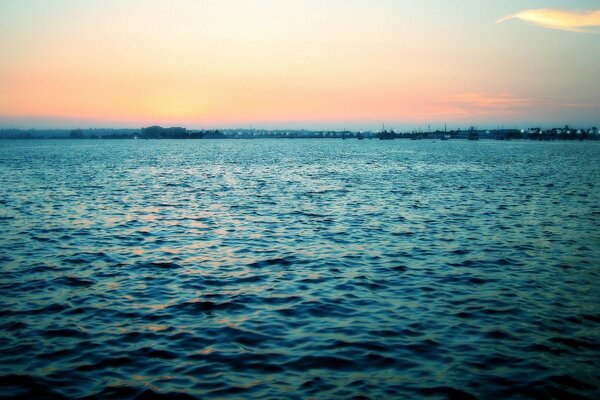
(423, 127)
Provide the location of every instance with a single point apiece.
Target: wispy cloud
(573, 21)
(502, 102)
(476, 104)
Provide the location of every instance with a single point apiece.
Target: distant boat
(444, 137)
(473, 136)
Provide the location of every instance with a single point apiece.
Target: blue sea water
(299, 269)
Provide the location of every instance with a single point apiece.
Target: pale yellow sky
(310, 63)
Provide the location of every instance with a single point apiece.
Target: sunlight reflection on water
(299, 268)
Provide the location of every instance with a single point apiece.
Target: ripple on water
(299, 269)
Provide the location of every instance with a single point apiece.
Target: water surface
(299, 269)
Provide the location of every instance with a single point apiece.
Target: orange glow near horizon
(244, 62)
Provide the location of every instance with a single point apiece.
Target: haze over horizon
(311, 64)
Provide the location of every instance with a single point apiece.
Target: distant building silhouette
(158, 132)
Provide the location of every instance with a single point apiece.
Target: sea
(299, 269)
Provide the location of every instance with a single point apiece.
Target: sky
(315, 64)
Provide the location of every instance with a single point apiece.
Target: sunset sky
(311, 63)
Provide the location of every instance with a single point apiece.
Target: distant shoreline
(156, 132)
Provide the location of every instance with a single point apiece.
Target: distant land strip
(157, 132)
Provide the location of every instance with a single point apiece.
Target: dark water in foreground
(299, 269)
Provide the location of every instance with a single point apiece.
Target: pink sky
(240, 63)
